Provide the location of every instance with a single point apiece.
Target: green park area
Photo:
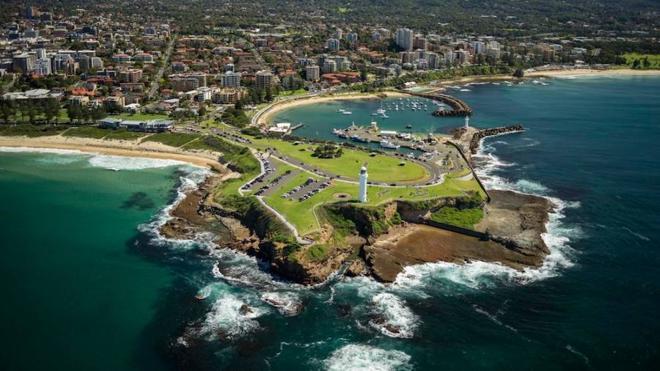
(304, 216)
(382, 168)
(642, 61)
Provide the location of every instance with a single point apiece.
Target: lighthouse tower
(467, 122)
(363, 184)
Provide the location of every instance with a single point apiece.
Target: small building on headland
(282, 128)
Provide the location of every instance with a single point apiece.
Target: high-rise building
(42, 67)
(479, 47)
(352, 38)
(312, 73)
(333, 44)
(264, 80)
(41, 53)
(329, 66)
(132, 75)
(231, 79)
(433, 60)
(420, 42)
(362, 195)
(404, 38)
(24, 63)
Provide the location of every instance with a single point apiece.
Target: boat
(357, 138)
(408, 126)
(388, 145)
(340, 133)
(347, 112)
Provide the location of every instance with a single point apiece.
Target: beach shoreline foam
(124, 148)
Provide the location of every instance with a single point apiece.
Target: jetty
(458, 107)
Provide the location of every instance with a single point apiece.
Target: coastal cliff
(378, 241)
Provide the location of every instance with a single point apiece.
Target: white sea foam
(130, 163)
(189, 181)
(40, 150)
(231, 317)
(358, 357)
(558, 235)
(478, 274)
(287, 303)
(244, 270)
(395, 319)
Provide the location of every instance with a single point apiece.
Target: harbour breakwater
(458, 107)
(479, 135)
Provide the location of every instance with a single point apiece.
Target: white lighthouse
(363, 184)
(467, 121)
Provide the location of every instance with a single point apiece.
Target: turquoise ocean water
(88, 285)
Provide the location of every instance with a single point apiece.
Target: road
(159, 75)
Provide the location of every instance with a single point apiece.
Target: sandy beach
(126, 148)
(265, 116)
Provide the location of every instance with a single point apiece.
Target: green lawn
(98, 133)
(381, 168)
(465, 218)
(172, 139)
(302, 214)
(86, 132)
(291, 93)
(123, 134)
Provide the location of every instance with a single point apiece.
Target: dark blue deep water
(591, 146)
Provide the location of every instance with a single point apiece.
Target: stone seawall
(478, 136)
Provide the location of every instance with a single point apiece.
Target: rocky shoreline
(509, 234)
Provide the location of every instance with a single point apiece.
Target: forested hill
(480, 16)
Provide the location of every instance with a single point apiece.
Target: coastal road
(155, 83)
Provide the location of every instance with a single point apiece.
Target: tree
(31, 110)
(51, 109)
(7, 109)
(74, 111)
(519, 73)
(98, 113)
(363, 75)
(646, 63)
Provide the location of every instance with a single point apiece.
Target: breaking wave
(477, 274)
(394, 318)
(231, 316)
(189, 180)
(287, 303)
(40, 150)
(358, 357)
(130, 163)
